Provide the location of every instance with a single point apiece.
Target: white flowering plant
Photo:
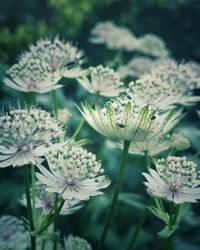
(56, 142)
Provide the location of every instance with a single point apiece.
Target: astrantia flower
(61, 56)
(153, 147)
(46, 201)
(102, 80)
(25, 135)
(76, 243)
(166, 85)
(32, 74)
(74, 173)
(124, 119)
(137, 67)
(152, 45)
(175, 179)
(114, 37)
(13, 234)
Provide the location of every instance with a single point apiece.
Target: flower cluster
(13, 234)
(73, 172)
(166, 85)
(32, 74)
(25, 135)
(113, 37)
(102, 80)
(41, 67)
(76, 243)
(124, 119)
(60, 56)
(175, 179)
(137, 67)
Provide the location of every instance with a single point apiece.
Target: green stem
(29, 208)
(136, 231)
(52, 217)
(55, 101)
(195, 156)
(78, 129)
(115, 193)
(33, 186)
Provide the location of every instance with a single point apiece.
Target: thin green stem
(136, 230)
(195, 156)
(78, 129)
(55, 101)
(33, 187)
(115, 193)
(29, 208)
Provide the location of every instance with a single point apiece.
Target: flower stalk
(115, 193)
(29, 207)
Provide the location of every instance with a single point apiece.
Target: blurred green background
(177, 22)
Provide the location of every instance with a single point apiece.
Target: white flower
(152, 45)
(74, 173)
(61, 56)
(76, 243)
(102, 80)
(195, 67)
(114, 37)
(46, 200)
(167, 84)
(180, 142)
(25, 135)
(32, 74)
(64, 115)
(124, 119)
(175, 179)
(13, 234)
(153, 147)
(137, 67)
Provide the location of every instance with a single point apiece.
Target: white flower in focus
(167, 85)
(32, 74)
(46, 201)
(74, 173)
(137, 67)
(102, 80)
(61, 56)
(153, 147)
(25, 135)
(175, 179)
(152, 45)
(124, 119)
(13, 234)
(76, 243)
(114, 37)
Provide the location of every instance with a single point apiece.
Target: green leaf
(166, 232)
(164, 216)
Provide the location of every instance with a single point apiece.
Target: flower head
(175, 179)
(64, 115)
(137, 67)
(61, 56)
(32, 74)
(102, 80)
(25, 135)
(13, 234)
(166, 85)
(124, 119)
(152, 147)
(152, 45)
(114, 37)
(74, 173)
(76, 243)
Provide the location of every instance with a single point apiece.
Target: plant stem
(33, 186)
(135, 231)
(29, 208)
(168, 241)
(115, 193)
(55, 101)
(78, 129)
